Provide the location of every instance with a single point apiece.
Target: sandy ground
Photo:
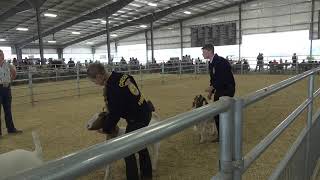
(61, 122)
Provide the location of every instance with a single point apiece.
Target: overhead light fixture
(89, 43)
(50, 15)
(152, 4)
(187, 12)
(22, 29)
(74, 32)
(114, 35)
(52, 42)
(103, 22)
(3, 40)
(170, 28)
(143, 26)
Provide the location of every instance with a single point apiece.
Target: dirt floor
(61, 123)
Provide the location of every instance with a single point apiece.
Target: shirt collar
(214, 57)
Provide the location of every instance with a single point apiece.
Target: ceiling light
(170, 28)
(76, 32)
(2, 40)
(103, 22)
(114, 35)
(143, 26)
(135, 5)
(152, 4)
(22, 29)
(89, 43)
(187, 12)
(52, 42)
(254, 5)
(50, 15)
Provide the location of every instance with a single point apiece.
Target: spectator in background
(7, 74)
(259, 62)
(294, 60)
(71, 63)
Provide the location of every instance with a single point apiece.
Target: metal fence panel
(292, 167)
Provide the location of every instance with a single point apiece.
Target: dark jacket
(221, 77)
(124, 101)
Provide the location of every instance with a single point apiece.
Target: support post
(78, 79)
(309, 125)
(30, 85)
(238, 120)
(39, 33)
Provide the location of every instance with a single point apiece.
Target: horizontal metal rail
(250, 157)
(293, 149)
(262, 93)
(94, 157)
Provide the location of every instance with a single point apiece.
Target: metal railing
(232, 163)
(31, 82)
(85, 161)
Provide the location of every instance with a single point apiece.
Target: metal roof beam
(105, 11)
(22, 6)
(177, 21)
(145, 19)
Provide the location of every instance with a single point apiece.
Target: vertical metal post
(162, 74)
(309, 124)
(195, 69)
(152, 45)
(56, 69)
(180, 69)
(311, 26)
(238, 120)
(240, 37)
(318, 24)
(60, 53)
(93, 52)
(181, 38)
(140, 68)
(30, 85)
(108, 40)
(226, 140)
(19, 53)
(146, 36)
(78, 79)
(39, 32)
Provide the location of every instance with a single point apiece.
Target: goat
(19, 160)
(206, 129)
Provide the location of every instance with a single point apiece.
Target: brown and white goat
(206, 129)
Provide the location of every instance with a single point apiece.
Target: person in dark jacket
(123, 99)
(221, 78)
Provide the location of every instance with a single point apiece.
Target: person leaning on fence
(7, 73)
(221, 78)
(123, 99)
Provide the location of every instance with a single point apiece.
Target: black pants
(144, 157)
(229, 92)
(5, 101)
